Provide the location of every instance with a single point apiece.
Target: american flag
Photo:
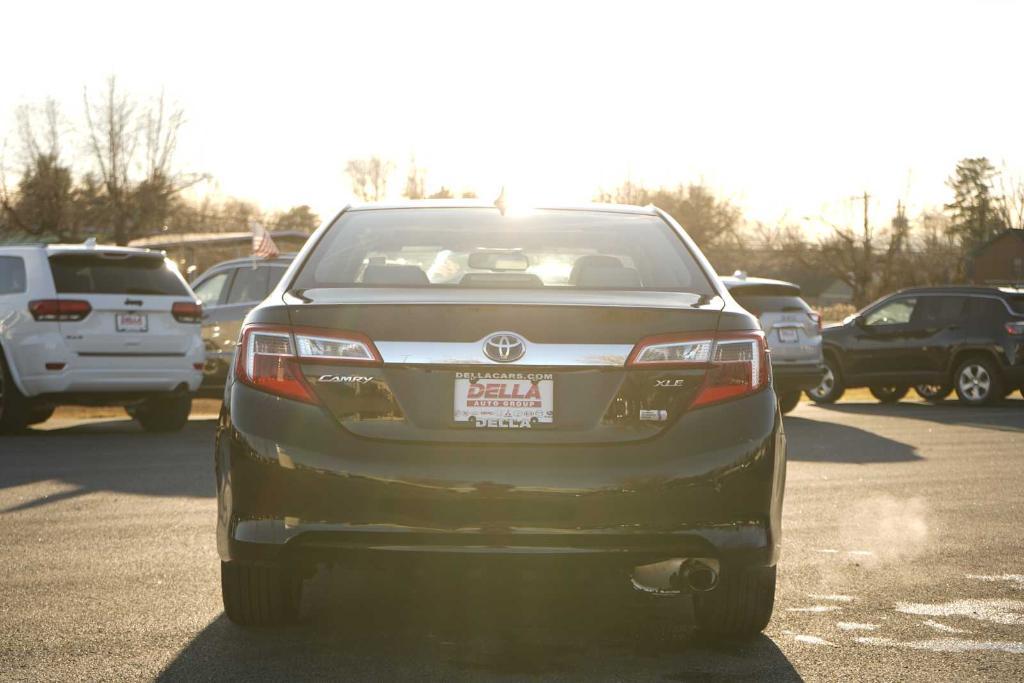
(262, 244)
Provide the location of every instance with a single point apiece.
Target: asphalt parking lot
(903, 559)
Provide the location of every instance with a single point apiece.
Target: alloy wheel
(824, 388)
(975, 383)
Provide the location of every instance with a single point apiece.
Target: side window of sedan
(211, 290)
(250, 285)
(896, 312)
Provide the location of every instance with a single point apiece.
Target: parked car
(936, 339)
(457, 381)
(228, 291)
(96, 325)
(792, 329)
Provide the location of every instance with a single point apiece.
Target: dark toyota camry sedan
(456, 382)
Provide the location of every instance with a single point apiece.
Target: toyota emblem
(504, 347)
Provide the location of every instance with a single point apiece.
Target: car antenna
(501, 202)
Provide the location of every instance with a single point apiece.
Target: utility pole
(866, 197)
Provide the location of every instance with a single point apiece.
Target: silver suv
(792, 328)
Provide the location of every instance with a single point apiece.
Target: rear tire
(934, 393)
(163, 414)
(788, 400)
(256, 595)
(978, 382)
(888, 394)
(741, 605)
(14, 407)
(831, 387)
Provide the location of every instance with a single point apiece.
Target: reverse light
(269, 357)
(736, 363)
(187, 312)
(59, 310)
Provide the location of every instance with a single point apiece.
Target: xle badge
(669, 382)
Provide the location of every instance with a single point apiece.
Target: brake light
(61, 310)
(187, 312)
(269, 357)
(736, 362)
(1014, 327)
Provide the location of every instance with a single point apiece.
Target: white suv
(96, 325)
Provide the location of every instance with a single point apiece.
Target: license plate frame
(131, 321)
(503, 400)
(788, 335)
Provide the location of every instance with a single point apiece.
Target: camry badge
(504, 347)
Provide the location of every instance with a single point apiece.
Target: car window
(276, 273)
(934, 311)
(12, 275)
(249, 285)
(115, 274)
(896, 312)
(211, 290)
(433, 247)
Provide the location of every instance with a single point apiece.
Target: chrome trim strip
(472, 353)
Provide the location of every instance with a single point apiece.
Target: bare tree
(1010, 202)
(369, 177)
(415, 181)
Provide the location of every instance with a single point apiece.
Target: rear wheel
(163, 414)
(741, 604)
(933, 393)
(831, 387)
(889, 394)
(14, 407)
(788, 400)
(978, 382)
(257, 595)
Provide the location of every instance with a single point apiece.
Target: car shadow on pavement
(108, 455)
(820, 441)
(403, 626)
(1006, 416)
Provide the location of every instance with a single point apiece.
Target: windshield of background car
(482, 248)
(98, 274)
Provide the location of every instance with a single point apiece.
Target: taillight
(187, 311)
(62, 310)
(737, 363)
(269, 357)
(1014, 327)
(816, 319)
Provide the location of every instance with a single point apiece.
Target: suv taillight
(269, 357)
(816, 318)
(187, 312)
(60, 310)
(737, 362)
(1014, 327)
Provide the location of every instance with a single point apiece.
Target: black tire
(788, 400)
(257, 595)
(14, 407)
(741, 604)
(978, 381)
(934, 393)
(163, 414)
(888, 394)
(831, 388)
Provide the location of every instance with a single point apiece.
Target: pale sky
(788, 109)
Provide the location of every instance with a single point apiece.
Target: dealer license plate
(504, 400)
(788, 334)
(131, 322)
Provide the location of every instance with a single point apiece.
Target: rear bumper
(797, 377)
(294, 486)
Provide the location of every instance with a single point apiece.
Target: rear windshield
(98, 274)
(482, 248)
(758, 304)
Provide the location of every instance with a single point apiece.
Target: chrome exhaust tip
(678, 575)
(695, 575)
